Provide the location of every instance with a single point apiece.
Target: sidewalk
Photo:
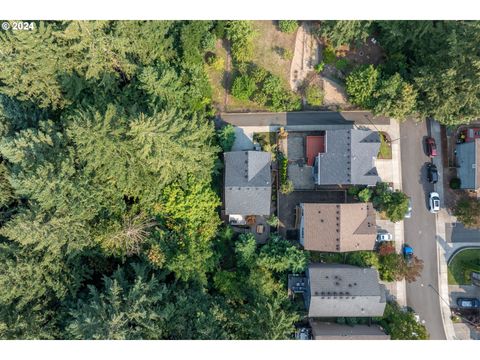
(390, 170)
(442, 245)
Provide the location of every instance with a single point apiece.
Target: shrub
(393, 203)
(259, 74)
(287, 187)
(467, 212)
(402, 325)
(280, 255)
(209, 41)
(314, 95)
(385, 248)
(328, 55)
(287, 54)
(272, 220)
(365, 195)
(341, 64)
(455, 183)
(226, 137)
(288, 26)
(283, 168)
(241, 35)
(243, 87)
(361, 84)
(363, 259)
(218, 63)
(353, 190)
(394, 97)
(319, 67)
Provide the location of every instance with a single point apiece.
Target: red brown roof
(339, 227)
(315, 145)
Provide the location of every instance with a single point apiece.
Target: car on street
(407, 252)
(468, 303)
(432, 173)
(431, 147)
(434, 202)
(384, 236)
(408, 214)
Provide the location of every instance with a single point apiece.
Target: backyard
(273, 51)
(462, 265)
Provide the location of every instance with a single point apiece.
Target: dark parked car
(431, 147)
(432, 173)
(468, 303)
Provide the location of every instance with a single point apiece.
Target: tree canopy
(109, 205)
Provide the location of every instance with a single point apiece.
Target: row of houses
(339, 157)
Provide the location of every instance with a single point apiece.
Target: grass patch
(385, 151)
(266, 44)
(462, 266)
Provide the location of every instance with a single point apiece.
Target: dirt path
(228, 74)
(305, 56)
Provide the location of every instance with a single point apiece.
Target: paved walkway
(390, 170)
(442, 246)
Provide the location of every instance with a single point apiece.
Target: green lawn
(385, 151)
(462, 265)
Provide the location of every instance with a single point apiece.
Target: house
(468, 161)
(348, 158)
(334, 331)
(337, 290)
(248, 184)
(337, 227)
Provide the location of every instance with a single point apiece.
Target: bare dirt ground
(334, 93)
(305, 56)
(270, 43)
(367, 53)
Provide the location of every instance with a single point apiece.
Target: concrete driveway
(457, 233)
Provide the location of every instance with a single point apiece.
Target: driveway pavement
(420, 229)
(457, 233)
(321, 119)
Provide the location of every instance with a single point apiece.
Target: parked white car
(384, 236)
(434, 202)
(408, 215)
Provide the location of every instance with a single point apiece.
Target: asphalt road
(303, 118)
(420, 229)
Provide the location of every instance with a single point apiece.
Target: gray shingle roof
(337, 290)
(349, 158)
(469, 164)
(248, 182)
(334, 331)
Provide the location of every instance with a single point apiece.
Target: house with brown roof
(337, 227)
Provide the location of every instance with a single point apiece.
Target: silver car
(434, 202)
(408, 215)
(384, 236)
